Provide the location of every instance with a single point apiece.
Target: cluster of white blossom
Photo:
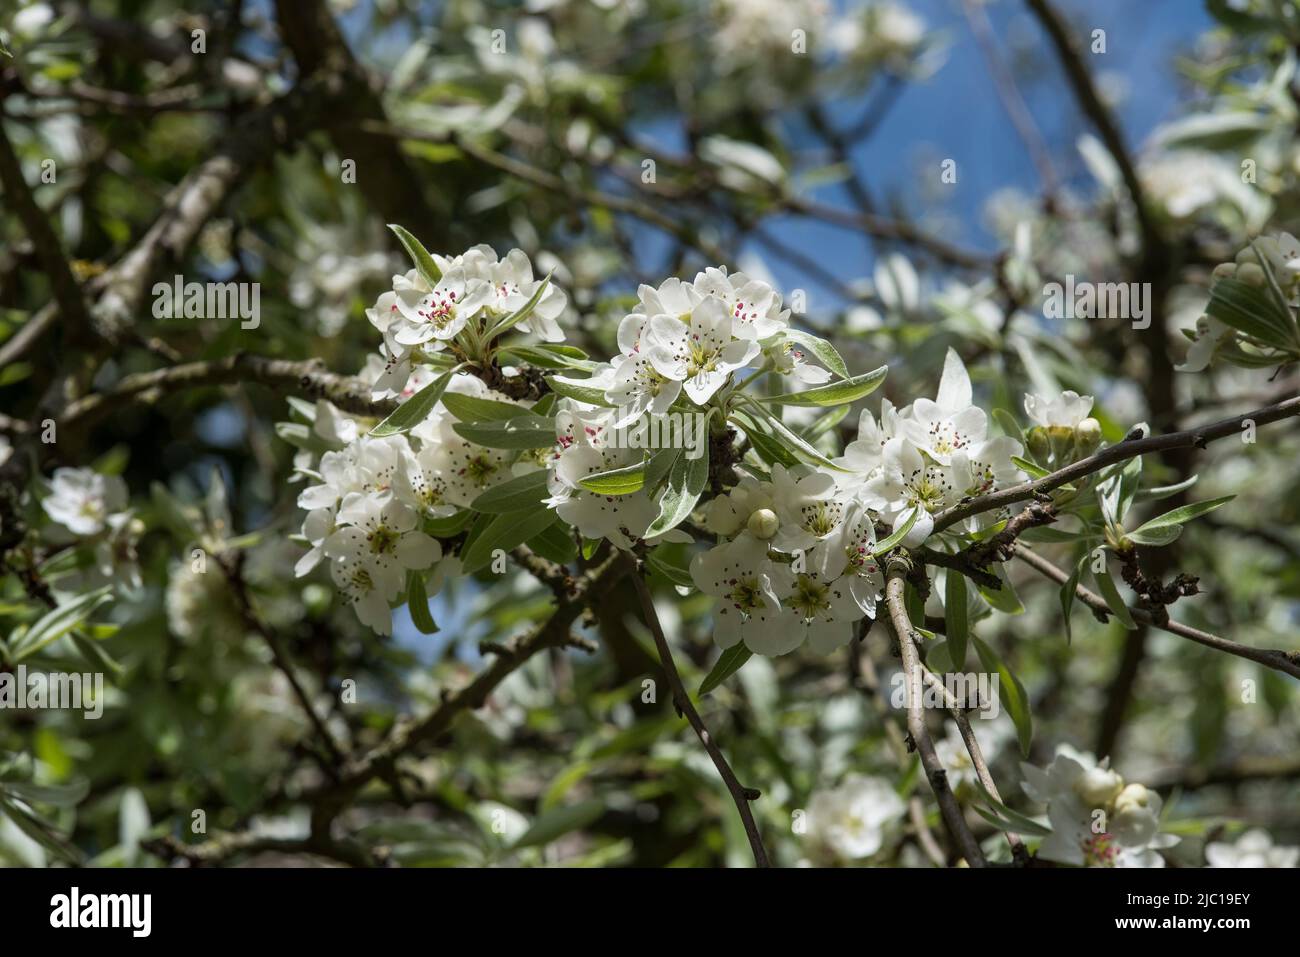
(367, 502)
(928, 456)
(1097, 820)
(1268, 260)
(92, 509)
(795, 562)
(475, 294)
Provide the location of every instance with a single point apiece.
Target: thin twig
(739, 794)
(1120, 452)
(1287, 662)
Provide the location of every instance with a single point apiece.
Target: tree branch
(897, 568)
(739, 794)
(1287, 662)
(1119, 452)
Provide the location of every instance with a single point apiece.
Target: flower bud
(1225, 270)
(763, 524)
(1133, 797)
(1252, 274)
(1098, 786)
(1039, 445)
(1087, 436)
(1062, 441)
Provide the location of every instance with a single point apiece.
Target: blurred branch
(1096, 111)
(740, 794)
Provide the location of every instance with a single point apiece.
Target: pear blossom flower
(701, 353)
(1066, 410)
(81, 500)
(856, 820)
(948, 423)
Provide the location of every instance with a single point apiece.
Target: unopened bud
(763, 524)
(1225, 270)
(1087, 436)
(1039, 445)
(1098, 786)
(1252, 274)
(1133, 797)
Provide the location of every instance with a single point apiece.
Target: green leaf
(1155, 537)
(527, 431)
(686, 481)
(447, 526)
(55, 795)
(800, 448)
(728, 663)
(1165, 491)
(424, 264)
(825, 422)
(825, 353)
(836, 393)
(57, 622)
(956, 622)
(546, 355)
(417, 600)
(576, 390)
(554, 543)
(1068, 593)
(39, 831)
(513, 494)
(95, 655)
(1007, 422)
(303, 437)
(620, 481)
(1005, 819)
(1035, 471)
(470, 408)
(765, 446)
(674, 573)
(505, 532)
(900, 533)
(1252, 311)
(1106, 587)
(523, 312)
(1011, 694)
(1003, 599)
(560, 821)
(1155, 532)
(659, 467)
(415, 409)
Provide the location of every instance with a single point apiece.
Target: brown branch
(1096, 111)
(49, 251)
(898, 566)
(554, 632)
(973, 748)
(1120, 452)
(1287, 662)
(739, 794)
(308, 377)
